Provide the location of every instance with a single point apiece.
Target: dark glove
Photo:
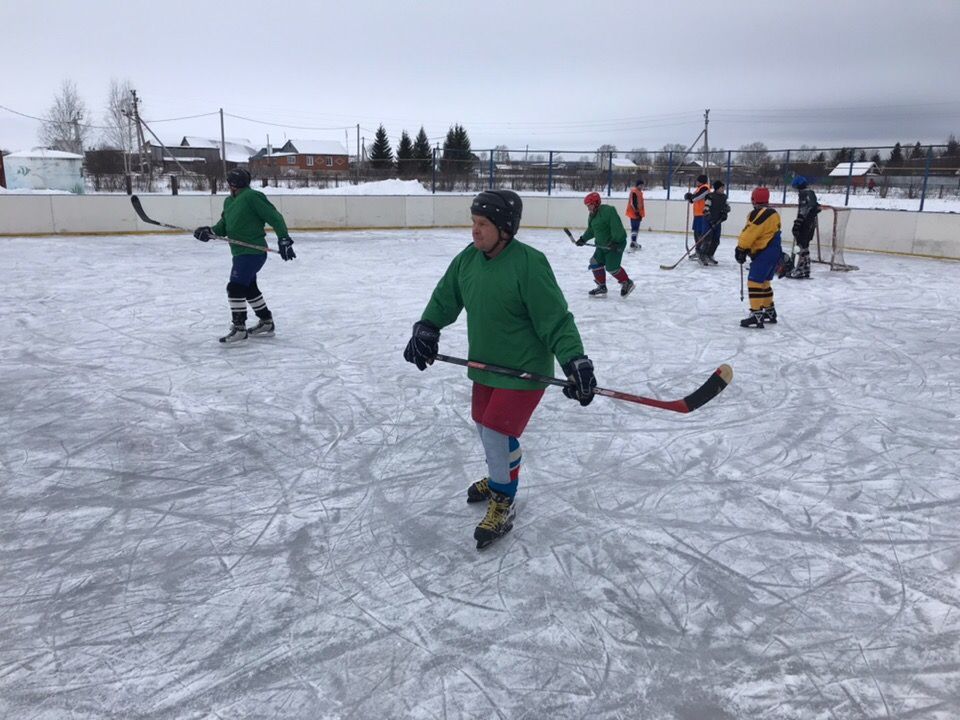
(203, 234)
(424, 344)
(797, 227)
(740, 254)
(579, 372)
(581, 241)
(688, 196)
(286, 248)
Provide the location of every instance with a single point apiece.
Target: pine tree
(457, 157)
(404, 155)
(422, 152)
(917, 152)
(953, 147)
(381, 156)
(875, 158)
(896, 156)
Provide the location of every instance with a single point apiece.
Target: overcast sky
(548, 74)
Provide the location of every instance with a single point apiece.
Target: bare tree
(603, 153)
(118, 117)
(501, 154)
(756, 160)
(63, 126)
(640, 156)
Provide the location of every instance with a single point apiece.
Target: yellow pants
(761, 295)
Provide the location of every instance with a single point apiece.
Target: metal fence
(921, 178)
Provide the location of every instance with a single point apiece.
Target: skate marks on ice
(280, 530)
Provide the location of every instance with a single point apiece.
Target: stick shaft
(138, 207)
(702, 395)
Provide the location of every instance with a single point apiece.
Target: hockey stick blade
(573, 240)
(688, 252)
(714, 385)
(138, 208)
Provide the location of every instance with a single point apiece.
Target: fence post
(926, 176)
(853, 154)
(610, 174)
(174, 185)
(433, 165)
(129, 183)
(669, 172)
(729, 165)
(490, 183)
(550, 173)
(786, 170)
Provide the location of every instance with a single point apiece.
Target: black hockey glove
(579, 372)
(203, 234)
(286, 248)
(423, 346)
(688, 196)
(740, 254)
(581, 241)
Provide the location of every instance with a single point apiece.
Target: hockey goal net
(829, 240)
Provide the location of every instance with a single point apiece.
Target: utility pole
(706, 144)
(141, 142)
(358, 153)
(223, 148)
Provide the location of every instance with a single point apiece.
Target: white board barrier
(928, 234)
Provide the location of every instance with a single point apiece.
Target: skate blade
(487, 542)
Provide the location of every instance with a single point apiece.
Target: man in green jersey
(611, 239)
(517, 317)
(243, 218)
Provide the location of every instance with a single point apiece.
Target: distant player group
(517, 315)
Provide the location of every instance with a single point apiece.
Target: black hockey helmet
(701, 179)
(238, 178)
(717, 184)
(501, 207)
(639, 182)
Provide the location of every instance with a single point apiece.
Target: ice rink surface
(279, 530)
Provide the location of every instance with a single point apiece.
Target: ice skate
(599, 291)
(770, 315)
(710, 259)
(753, 320)
(264, 328)
(497, 522)
(478, 491)
(238, 333)
(627, 287)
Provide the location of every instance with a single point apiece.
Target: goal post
(829, 240)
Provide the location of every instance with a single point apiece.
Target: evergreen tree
(862, 157)
(917, 152)
(896, 156)
(456, 150)
(422, 152)
(953, 147)
(875, 158)
(404, 155)
(842, 155)
(381, 156)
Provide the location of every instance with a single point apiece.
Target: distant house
(297, 157)
(858, 172)
(196, 154)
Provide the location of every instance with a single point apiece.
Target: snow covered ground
(897, 199)
(279, 529)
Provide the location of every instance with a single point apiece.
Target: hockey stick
(138, 207)
(689, 253)
(570, 235)
(720, 378)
